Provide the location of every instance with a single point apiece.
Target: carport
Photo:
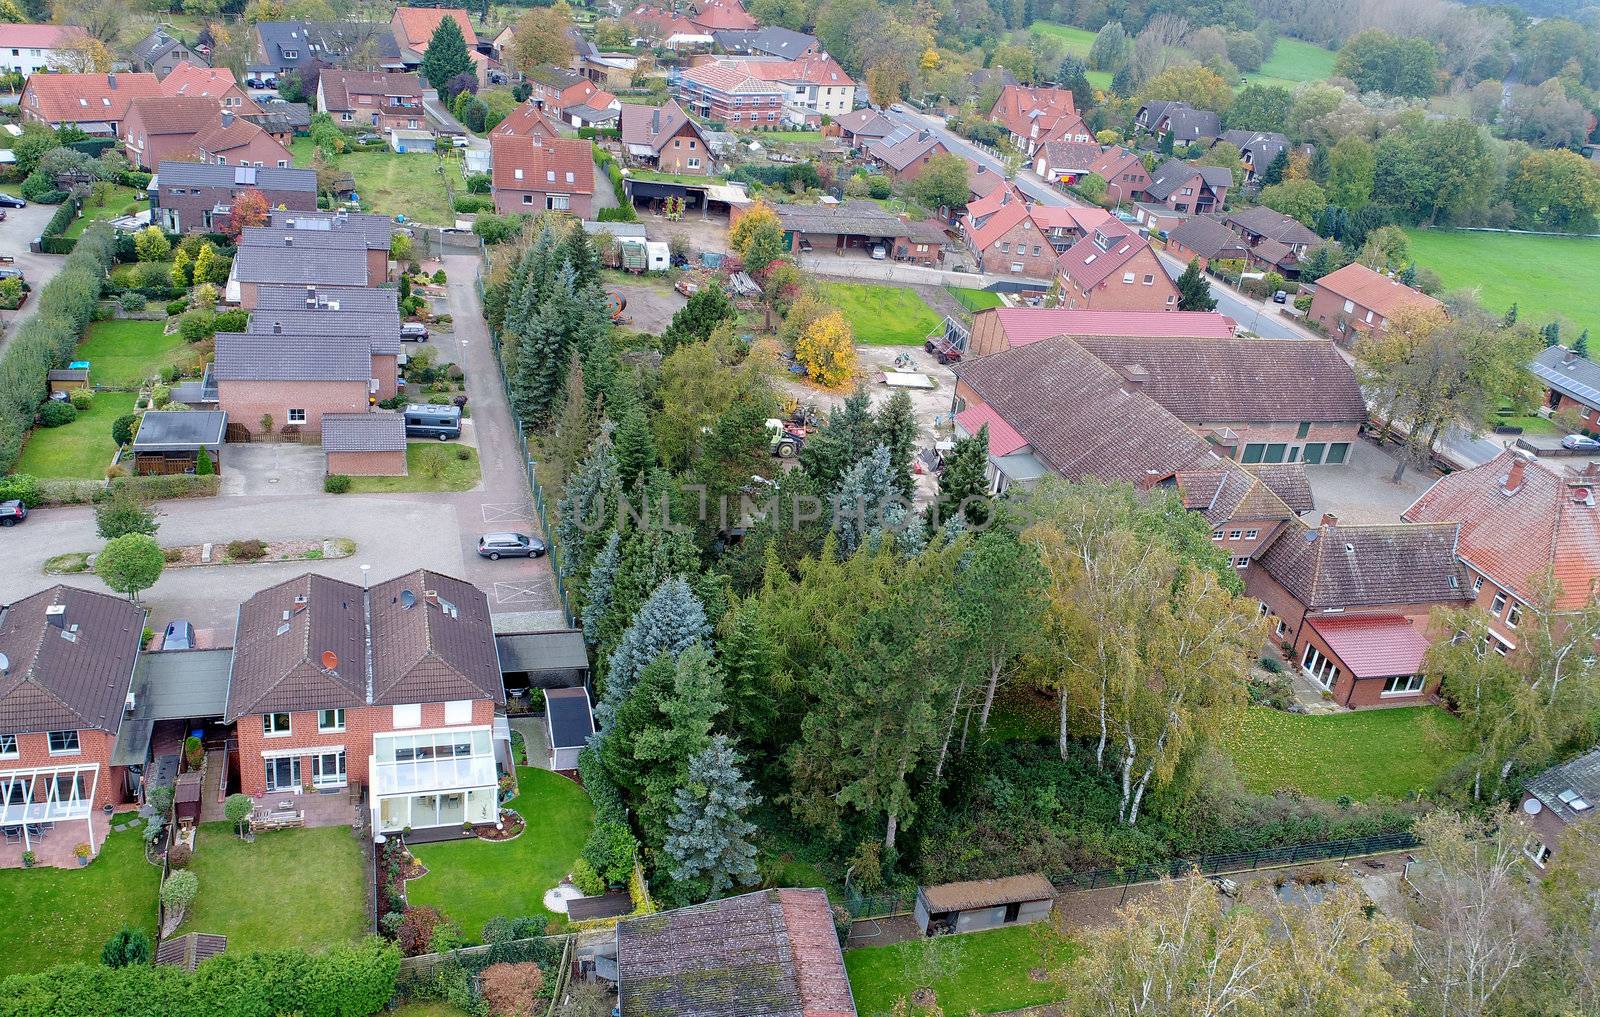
(543, 660)
(170, 685)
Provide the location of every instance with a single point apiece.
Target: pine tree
(1552, 334)
(671, 621)
(578, 251)
(1581, 347)
(446, 57)
(839, 443)
(696, 320)
(587, 511)
(710, 845)
(602, 580)
(867, 501)
(1333, 223)
(748, 657)
(1409, 276)
(1194, 292)
(964, 484)
(896, 429)
(636, 448)
(1511, 315)
(1276, 168)
(651, 555)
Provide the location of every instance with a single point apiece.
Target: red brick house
(160, 128)
(95, 103)
(413, 27)
(190, 196)
(64, 689)
(529, 176)
(1114, 269)
(1124, 174)
(1522, 519)
(321, 249)
(1185, 187)
(231, 140)
(1354, 604)
(1065, 225)
(1204, 239)
(1355, 301)
(1247, 506)
(394, 689)
(187, 79)
(1002, 236)
(906, 152)
(1036, 115)
(665, 138)
(372, 99)
(1002, 328)
(528, 120)
(1561, 797)
(1570, 380)
(731, 96)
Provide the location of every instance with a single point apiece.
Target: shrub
(180, 890)
(177, 306)
(513, 990)
(178, 856)
(81, 399)
(133, 301)
(21, 487)
(55, 413)
(203, 466)
(336, 483)
(586, 879)
(415, 935)
(478, 183)
(126, 947)
(169, 374)
(197, 325)
(236, 320)
(439, 278)
(469, 203)
(247, 550)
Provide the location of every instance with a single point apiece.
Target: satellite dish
(330, 660)
(1533, 806)
(408, 599)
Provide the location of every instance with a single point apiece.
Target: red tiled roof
(1079, 217)
(1024, 325)
(1114, 162)
(223, 137)
(174, 114)
(338, 86)
(417, 25)
(84, 98)
(997, 225)
(188, 79)
(1088, 264)
(668, 23)
(1017, 102)
(39, 36)
(524, 122)
(1003, 438)
(730, 78)
(1230, 491)
(993, 201)
(723, 17)
(1375, 291)
(1545, 523)
(1069, 129)
(1373, 647)
(813, 70)
(536, 162)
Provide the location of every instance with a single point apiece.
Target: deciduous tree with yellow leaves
(827, 351)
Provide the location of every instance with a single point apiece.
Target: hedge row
(46, 341)
(624, 211)
(344, 981)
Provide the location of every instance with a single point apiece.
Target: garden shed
(170, 441)
(984, 903)
(66, 379)
(569, 724)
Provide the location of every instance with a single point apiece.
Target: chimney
(56, 614)
(277, 328)
(1329, 519)
(1513, 481)
(227, 118)
(111, 79)
(1133, 374)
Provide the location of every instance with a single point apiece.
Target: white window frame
(269, 727)
(73, 749)
(1319, 668)
(1250, 534)
(1498, 604)
(407, 716)
(11, 752)
(1216, 534)
(338, 718)
(1241, 563)
(1513, 614)
(1537, 852)
(294, 415)
(1413, 685)
(1235, 534)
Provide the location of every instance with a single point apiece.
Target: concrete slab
(276, 468)
(1362, 490)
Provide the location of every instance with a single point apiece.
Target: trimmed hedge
(343, 981)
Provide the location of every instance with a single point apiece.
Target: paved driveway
(272, 468)
(22, 225)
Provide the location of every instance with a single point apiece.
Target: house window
(527, 199)
(1402, 685)
(295, 416)
(1241, 563)
(408, 715)
(1281, 629)
(1005, 248)
(274, 725)
(330, 720)
(1016, 266)
(1253, 453)
(1249, 534)
(694, 163)
(283, 163)
(1319, 668)
(1235, 534)
(8, 746)
(1216, 534)
(1035, 250)
(1127, 277)
(1477, 584)
(458, 711)
(347, 117)
(557, 202)
(1349, 306)
(1514, 616)
(1313, 452)
(327, 769)
(677, 143)
(1303, 430)
(283, 773)
(1498, 604)
(1149, 280)
(1275, 452)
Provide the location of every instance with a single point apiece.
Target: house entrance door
(283, 774)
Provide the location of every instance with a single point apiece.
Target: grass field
(59, 916)
(1545, 276)
(978, 972)
(291, 889)
(882, 315)
(80, 450)
(393, 184)
(1359, 754)
(974, 300)
(1077, 42)
(125, 353)
(117, 199)
(1293, 62)
(433, 466)
(472, 881)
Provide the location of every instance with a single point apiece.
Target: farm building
(984, 903)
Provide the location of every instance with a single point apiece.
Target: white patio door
(283, 774)
(327, 769)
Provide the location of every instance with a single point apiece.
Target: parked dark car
(11, 201)
(178, 636)
(1280, 297)
(495, 546)
(12, 512)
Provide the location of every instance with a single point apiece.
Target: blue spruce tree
(709, 849)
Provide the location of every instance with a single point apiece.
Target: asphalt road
(22, 225)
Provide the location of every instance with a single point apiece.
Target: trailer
(949, 343)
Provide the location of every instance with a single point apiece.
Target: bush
(177, 306)
(478, 183)
(197, 325)
(81, 399)
(415, 935)
(622, 213)
(133, 301)
(336, 483)
(513, 990)
(247, 550)
(469, 203)
(236, 320)
(179, 890)
(126, 947)
(55, 414)
(123, 428)
(586, 879)
(178, 856)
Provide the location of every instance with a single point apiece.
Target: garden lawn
(58, 916)
(291, 889)
(982, 972)
(1544, 276)
(1293, 62)
(1359, 754)
(972, 299)
(882, 315)
(116, 201)
(1076, 41)
(80, 450)
(472, 881)
(126, 352)
(391, 184)
(433, 466)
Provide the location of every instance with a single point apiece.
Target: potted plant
(29, 859)
(82, 852)
(194, 753)
(466, 828)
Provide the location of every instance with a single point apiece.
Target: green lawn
(116, 200)
(1530, 423)
(291, 889)
(1544, 276)
(1293, 62)
(882, 315)
(80, 450)
(393, 184)
(124, 353)
(1076, 41)
(434, 466)
(688, 179)
(472, 881)
(975, 972)
(1359, 754)
(766, 136)
(974, 300)
(58, 916)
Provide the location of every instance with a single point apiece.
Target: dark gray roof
(773, 41)
(376, 231)
(1343, 566)
(300, 265)
(181, 684)
(69, 660)
(1170, 175)
(278, 117)
(203, 174)
(571, 723)
(1207, 237)
(1263, 146)
(1272, 224)
(155, 45)
(1569, 374)
(612, 904)
(364, 432)
(1186, 123)
(372, 313)
(543, 651)
(180, 430)
(326, 41)
(290, 357)
(1565, 786)
(856, 217)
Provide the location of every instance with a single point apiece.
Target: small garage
(365, 444)
(569, 725)
(984, 904)
(177, 441)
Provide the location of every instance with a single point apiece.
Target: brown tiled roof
(1375, 291)
(1079, 415)
(525, 121)
(212, 82)
(338, 86)
(174, 114)
(1230, 492)
(1208, 238)
(72, 677)
(557, 156)
(653, 125)
(772, 953)
(1069, 155)
(901, 153)
(1336, 566)
(417, 25)
(1289, 482)
(229, 132)
(1114, 161)
(987, 893)
(1240, 380)
(865, 122)
(441, 648)
(1517, 532)
(1017, 105)
(84, 98)
(1274, 225)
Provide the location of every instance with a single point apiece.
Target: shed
(67, 378)
(569, 723)
(403, 139)
(984, 903)
(186, 797)
(170, 441)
